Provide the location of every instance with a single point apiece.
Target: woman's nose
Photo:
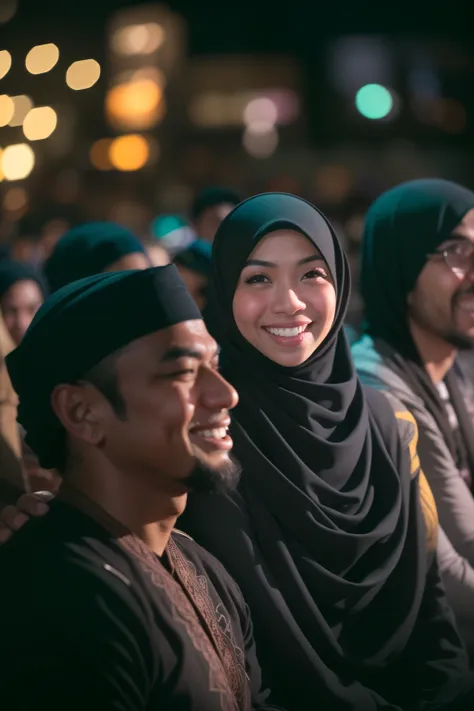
(288, 302)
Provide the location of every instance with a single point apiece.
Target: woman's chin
(290, 358)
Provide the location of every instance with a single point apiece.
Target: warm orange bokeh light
(129, 152)
(137, 105)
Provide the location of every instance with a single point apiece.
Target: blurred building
(134, 123)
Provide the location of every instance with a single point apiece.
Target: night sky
(247, 26)
(256, 26)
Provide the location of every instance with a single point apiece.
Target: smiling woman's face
(285, 300)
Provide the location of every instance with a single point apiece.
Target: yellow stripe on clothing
(427, 501)
(414, 458)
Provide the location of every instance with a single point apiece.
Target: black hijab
(403, 226)
(12, 271)
(323, 535)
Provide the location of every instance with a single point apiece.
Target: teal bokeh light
(374, 101)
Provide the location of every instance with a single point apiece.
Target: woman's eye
(256, 279)
(315, 273)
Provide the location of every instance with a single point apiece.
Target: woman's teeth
(218, 433)
(287, 332)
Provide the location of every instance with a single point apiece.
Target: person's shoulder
(372, 363)
(366, 356)
(200, 557)
(193, 551)
(62, 562)
(395, 421)
(382, 406)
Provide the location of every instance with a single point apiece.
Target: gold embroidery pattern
(230, 654)
(184, 613)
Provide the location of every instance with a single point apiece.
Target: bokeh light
(1, 169)
(214, 109)
(138, 105)
(7, 109)
(40, 123)
(261, 110)
(8, 9)
(138, 39)
(83, 74)
(15, 199)
(99, 154)
(5, 62)
(42, 58)
(18, 161)
(287, 104)
(129, 153)
(374, 101)
(22, 105)
(260, 140)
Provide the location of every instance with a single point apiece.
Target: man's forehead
(191, 336)
(465, 229)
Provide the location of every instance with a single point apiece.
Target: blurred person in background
(83, 251)
(26, 247)
(157, 253)
(12, 481)
(417, 282)
(194, 266)
(172, 233)
(21, 294)
(209, 208)
(93, 248)
(5, 252)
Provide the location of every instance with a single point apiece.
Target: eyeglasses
(459, 257)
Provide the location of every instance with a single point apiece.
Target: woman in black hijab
(325, 535)
(22, 292)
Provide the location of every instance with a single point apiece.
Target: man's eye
(179, 373)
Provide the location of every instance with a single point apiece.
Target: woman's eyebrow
(264, 263)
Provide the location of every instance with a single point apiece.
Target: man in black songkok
(104, 604)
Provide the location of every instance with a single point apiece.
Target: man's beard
(460, 341)
(205, 479)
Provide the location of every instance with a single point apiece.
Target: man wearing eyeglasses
(417, 282)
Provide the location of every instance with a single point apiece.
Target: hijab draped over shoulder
(324, 535)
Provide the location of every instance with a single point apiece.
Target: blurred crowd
(44, 255)
(354, 429)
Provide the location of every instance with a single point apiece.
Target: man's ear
(80, 409)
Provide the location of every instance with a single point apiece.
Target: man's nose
(217, 392)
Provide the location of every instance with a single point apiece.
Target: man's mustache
(461, 293)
